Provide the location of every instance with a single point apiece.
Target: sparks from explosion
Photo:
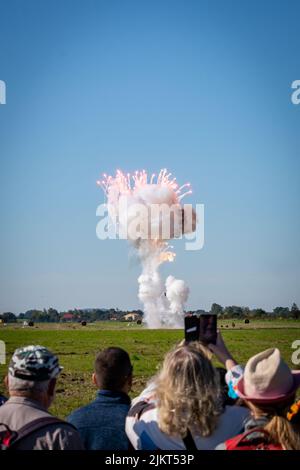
(140, 179)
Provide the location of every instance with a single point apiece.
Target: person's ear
(129, 381)
(6, 382)
(51, 387)
(94, 379)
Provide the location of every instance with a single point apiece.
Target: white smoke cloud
(177, 293)
(141, 213)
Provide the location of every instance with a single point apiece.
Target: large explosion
(148, 212)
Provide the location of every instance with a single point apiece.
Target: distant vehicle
(131, 317)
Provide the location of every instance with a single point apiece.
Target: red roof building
(68, 316)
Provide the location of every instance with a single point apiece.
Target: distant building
(68, 317)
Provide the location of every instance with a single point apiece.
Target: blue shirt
(101, 424)
(2, 400)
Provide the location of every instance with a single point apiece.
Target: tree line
(51, 315)
(234, 311)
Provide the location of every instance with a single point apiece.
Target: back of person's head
(27, 388)
(113, 369)
(188, 392)
(32, 373)
(283, 425)
(269, 387)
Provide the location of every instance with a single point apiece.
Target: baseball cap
(34, 363)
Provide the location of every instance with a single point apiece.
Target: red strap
(241, 440)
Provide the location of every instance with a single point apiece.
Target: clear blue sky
(200, 87)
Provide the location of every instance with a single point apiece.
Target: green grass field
(76, 347)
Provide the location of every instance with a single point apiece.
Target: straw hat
(267, 378)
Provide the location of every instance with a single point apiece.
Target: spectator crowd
(188, 405)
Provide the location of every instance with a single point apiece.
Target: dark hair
(112, 368)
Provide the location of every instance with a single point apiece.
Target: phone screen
(208, 328)
(191, 328)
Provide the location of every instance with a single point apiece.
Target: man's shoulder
(63, 429)
(17, 414)
(53, 436)
(3, 408)
(44, 432)
(4, 412)
(83, 412)
(91, 412)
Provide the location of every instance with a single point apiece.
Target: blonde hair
(280, 429)
(188, 392)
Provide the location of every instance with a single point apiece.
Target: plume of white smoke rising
(140, 209)
(177, 294)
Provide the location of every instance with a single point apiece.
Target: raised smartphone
(203, 328)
